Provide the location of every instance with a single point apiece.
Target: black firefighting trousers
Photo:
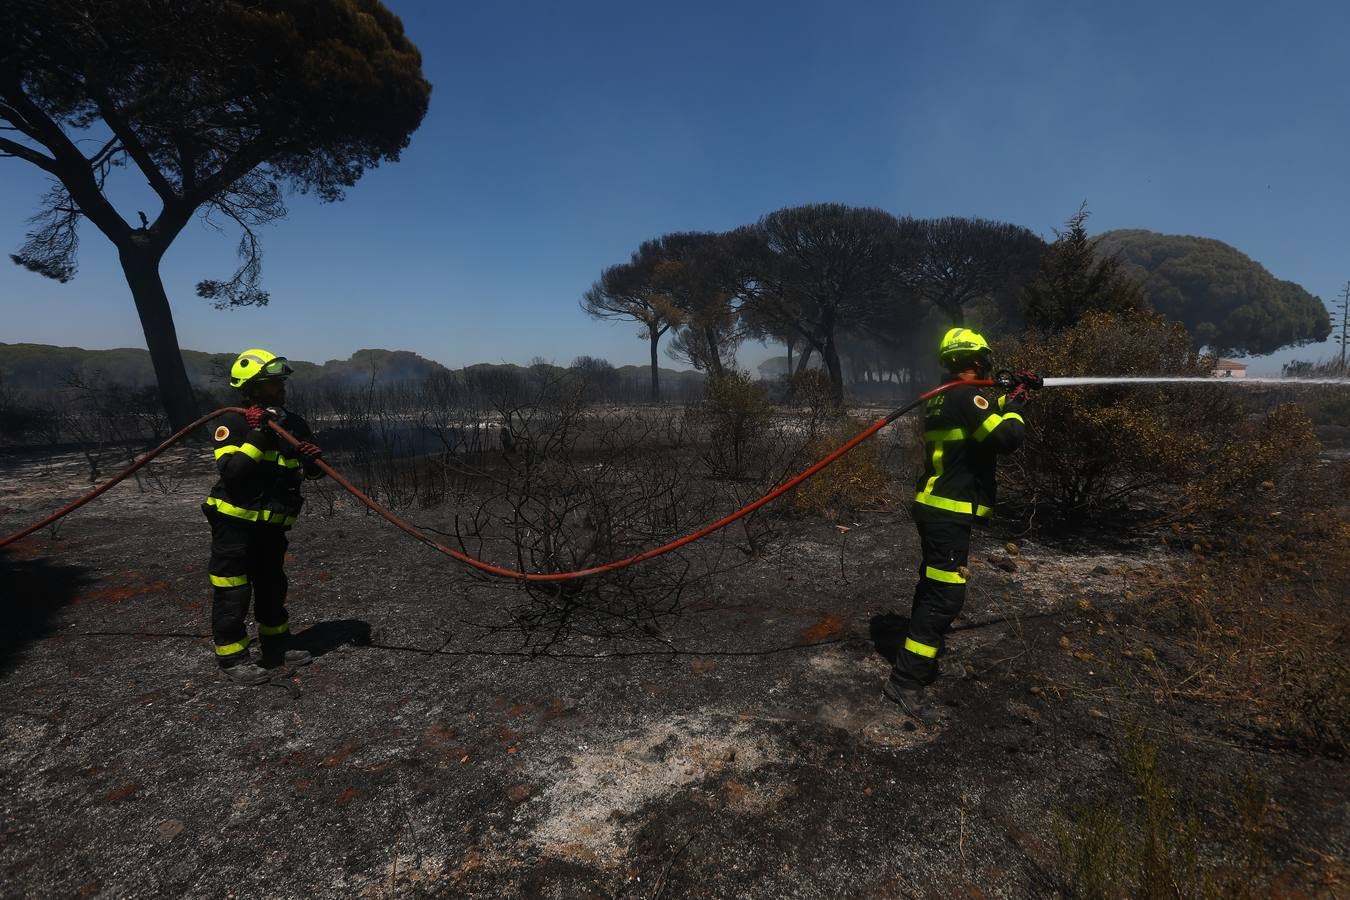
(246, 564)
(938, 599)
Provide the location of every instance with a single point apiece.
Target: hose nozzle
(1006, 381)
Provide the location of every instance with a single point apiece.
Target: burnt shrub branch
(541, 474)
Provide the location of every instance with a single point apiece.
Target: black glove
(1007, 381)
(1019, 394)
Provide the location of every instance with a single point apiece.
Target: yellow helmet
(961, 344)
(258, 365)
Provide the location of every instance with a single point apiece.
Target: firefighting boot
(278, 650)
(917, 703)
(241, 669)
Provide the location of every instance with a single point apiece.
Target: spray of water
(1130, 379)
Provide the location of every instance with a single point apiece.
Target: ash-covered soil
(441, 746)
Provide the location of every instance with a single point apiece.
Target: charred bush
(531, 473)
(1314, 682)
(24, 419)
(750, 447)
(579, 487)
(1328, 408)
(113, 423)
(534, 472)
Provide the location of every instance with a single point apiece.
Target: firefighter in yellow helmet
(250, 509)
(964, 432)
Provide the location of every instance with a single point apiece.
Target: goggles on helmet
(275, 368)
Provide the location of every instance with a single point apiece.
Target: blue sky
(560, 136)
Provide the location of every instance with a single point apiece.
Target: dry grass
(856, 481)
(1152, 846)
(1246, 635)
(1264, 620)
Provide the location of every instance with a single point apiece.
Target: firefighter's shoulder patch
(981, 402)
(222, 433)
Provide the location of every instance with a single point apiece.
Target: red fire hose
(477, 563)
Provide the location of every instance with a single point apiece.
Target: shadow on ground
(324, 637)
(888, 631)
(36, 589)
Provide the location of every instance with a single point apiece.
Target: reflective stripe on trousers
(938, 597)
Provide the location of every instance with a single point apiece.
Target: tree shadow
(888, 632)
(35, 590)
(322, 637)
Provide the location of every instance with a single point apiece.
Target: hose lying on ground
(478, 564)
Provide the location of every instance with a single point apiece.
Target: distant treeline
(45, 367)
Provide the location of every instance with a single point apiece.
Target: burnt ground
(741, 748)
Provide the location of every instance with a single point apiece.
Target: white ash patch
(412, 871)
(831, 663)
(602, 782)
(862, 712)
(814, 551)
(893, 730)
(1044, 581)
(177, 478)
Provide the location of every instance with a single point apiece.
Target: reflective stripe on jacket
(963, 434)
(260, 474)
